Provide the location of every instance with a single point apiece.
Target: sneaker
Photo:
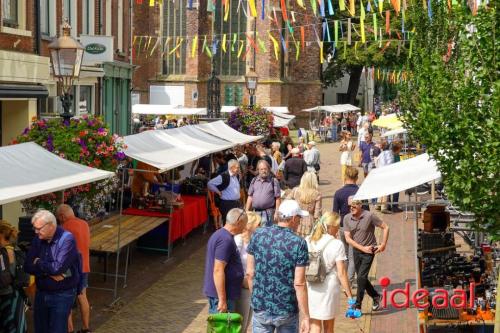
(376, 303)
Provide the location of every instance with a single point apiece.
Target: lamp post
(66, 55)
(251, 80)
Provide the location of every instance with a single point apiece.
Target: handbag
(224, 322)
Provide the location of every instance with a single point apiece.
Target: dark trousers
(52, 310)
(395, 200)
(225, 206)
(363, 263)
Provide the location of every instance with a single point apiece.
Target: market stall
(176, 110)
(440, 265)
(165, 150)
(29, 170)
(317, 113)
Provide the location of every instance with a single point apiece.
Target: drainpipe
(131, 61)
(38, 51)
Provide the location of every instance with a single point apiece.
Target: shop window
(48, 17)
(88, 17)
(85, 100)
(228, 63)
(174, 28)
(10, 13)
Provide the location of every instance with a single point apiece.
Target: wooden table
(115, 233)
(104, 235)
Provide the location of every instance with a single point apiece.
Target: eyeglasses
(35, 229)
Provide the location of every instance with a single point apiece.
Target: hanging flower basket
(251, 121)
(86, 141)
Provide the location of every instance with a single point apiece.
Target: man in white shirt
(311, 157)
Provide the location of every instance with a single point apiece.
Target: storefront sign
(95, 48)
(98, 49)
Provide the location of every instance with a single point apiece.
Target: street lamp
(66, 55)
(251, 80)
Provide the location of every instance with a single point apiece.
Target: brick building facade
(283, 82)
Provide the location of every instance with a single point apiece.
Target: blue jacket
(59, 256)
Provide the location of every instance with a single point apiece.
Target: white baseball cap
(290, 208)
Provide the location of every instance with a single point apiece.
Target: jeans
(213, 302)
(267, 217)
(334, 133)
(351, 269)
(363, 262)
(52, 310)
(264, 322)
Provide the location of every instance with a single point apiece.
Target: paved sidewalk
(175, 303)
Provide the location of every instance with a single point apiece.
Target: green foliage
(390, 52)
(452, 104)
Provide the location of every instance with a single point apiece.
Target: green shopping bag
(224, 322)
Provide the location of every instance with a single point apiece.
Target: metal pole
(117, 265)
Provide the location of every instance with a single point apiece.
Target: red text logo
(420, 298)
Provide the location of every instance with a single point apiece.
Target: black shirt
(294, 169)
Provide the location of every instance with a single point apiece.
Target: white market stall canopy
(277, 110)
(398, 177)
(168, 149)
(158, 109)
(283, 120)
(29, 170)
(339, 108)
(395, 132)
(222, 130)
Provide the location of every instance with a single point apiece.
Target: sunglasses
(239, 217)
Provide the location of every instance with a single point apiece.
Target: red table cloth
(193, 214)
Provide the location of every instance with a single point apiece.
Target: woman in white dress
(242, 240)
(324, 297)
(346, 148)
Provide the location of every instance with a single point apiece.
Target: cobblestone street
(175, 303)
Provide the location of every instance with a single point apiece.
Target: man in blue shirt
(276, 264)
(223, 269)
(367, 155)
(227, 187)
(55, 262)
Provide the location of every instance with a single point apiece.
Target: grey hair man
(55, 262)
(223, 268)
(279, 291)
(264, 194)
(226, 187)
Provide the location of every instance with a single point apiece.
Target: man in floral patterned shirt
(276, 263)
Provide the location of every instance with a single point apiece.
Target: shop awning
(398, 177)
(23, 91)
(29, 170)
(222, 130)
(339, 108)
(158, 109)
(161, 150)
(282, 120)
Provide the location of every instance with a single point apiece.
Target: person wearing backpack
(55, 262)
(226, 188)
(12, 318)
(325, 273)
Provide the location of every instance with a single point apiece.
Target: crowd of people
(258, 263)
